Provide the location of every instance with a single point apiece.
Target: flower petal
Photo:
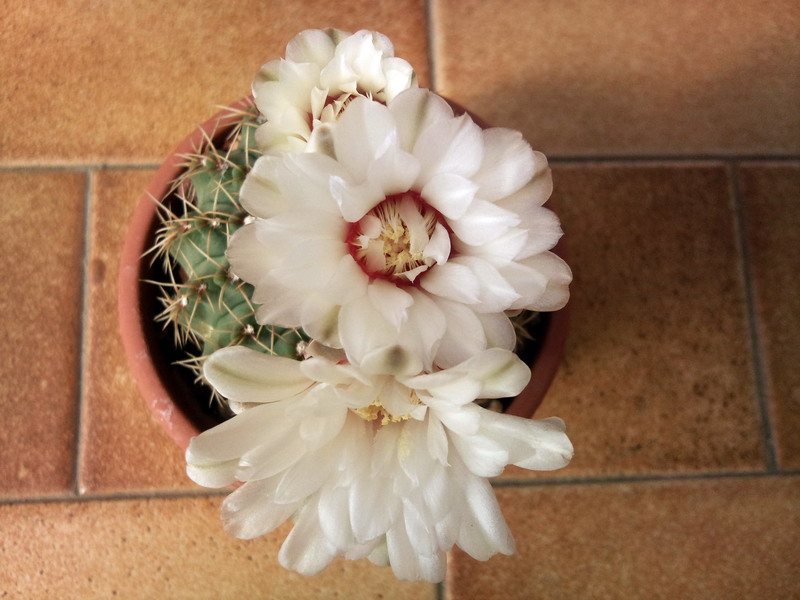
(541, 445)
(364, 132)
(508, 164)
(249, 513)
(501, 373)
(247, 375)
(449, 146)
(452, 281)
(542, 280)
(450, 194)
(391, 301)
(306, 550)
(414, 111)
(483, 222)
(311, 45)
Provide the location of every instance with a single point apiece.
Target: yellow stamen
(376, 411)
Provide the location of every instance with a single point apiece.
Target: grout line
(430, 35)
(70, 497)
(758, 363)
(117, 497)
(82, 167)
(644, 478)
(441, 588)
(589, 160)
(82, 333)
(670, 158)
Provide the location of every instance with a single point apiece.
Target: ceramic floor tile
(728, 538)
(123, 447)
(771, 202)
(657, 374)
(608, 78)
(124, 82)
(40, 300)
(167, 548)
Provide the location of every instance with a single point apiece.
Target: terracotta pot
(177, 402)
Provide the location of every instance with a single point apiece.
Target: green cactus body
(208, 307)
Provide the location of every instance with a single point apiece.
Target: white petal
(482, 455)
(394, 171)
(414, 111)
(438, 247)
(213, 475)
(465, 335)
(249, 513)
(390, 301)
(363, 329)
(306, 550)
(449, 146)
(247, 375)
(508, 164)
(246, 254)
(450, 194)
(260, 194)
(399, 77)
(501, 250)
(437, 443)
(305, 477)
(542, 279)
(391, 360)
(483, 222)
(539, 445)
(484, 532)
(348, 281)
(496, 294)
(334, 518)
(459, 392)
(319, 317)
(309, 263)
(424, 328)
(544, 230)
(501, 373)
(304, 180)
(499, 330)
(363, 133)
(452, 281)
(311, 45)
(536, 192)
(355, 200)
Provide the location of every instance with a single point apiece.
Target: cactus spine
(207, 306)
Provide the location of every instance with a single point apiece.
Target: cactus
(206, 305)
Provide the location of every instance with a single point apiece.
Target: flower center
(378, 414)
(399, 239)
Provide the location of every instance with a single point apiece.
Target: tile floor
(674, 133)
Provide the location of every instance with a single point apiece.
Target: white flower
(379, 464)
(419, 230)
(322, 71)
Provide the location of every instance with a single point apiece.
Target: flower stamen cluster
(399, 239)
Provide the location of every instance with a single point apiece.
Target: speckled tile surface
(123, 448)
(165, 548)
(670, 539)
(657, 375)
(123, 82)
(771, 200)
(620, 78)
(40, 299)
(676, 138)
